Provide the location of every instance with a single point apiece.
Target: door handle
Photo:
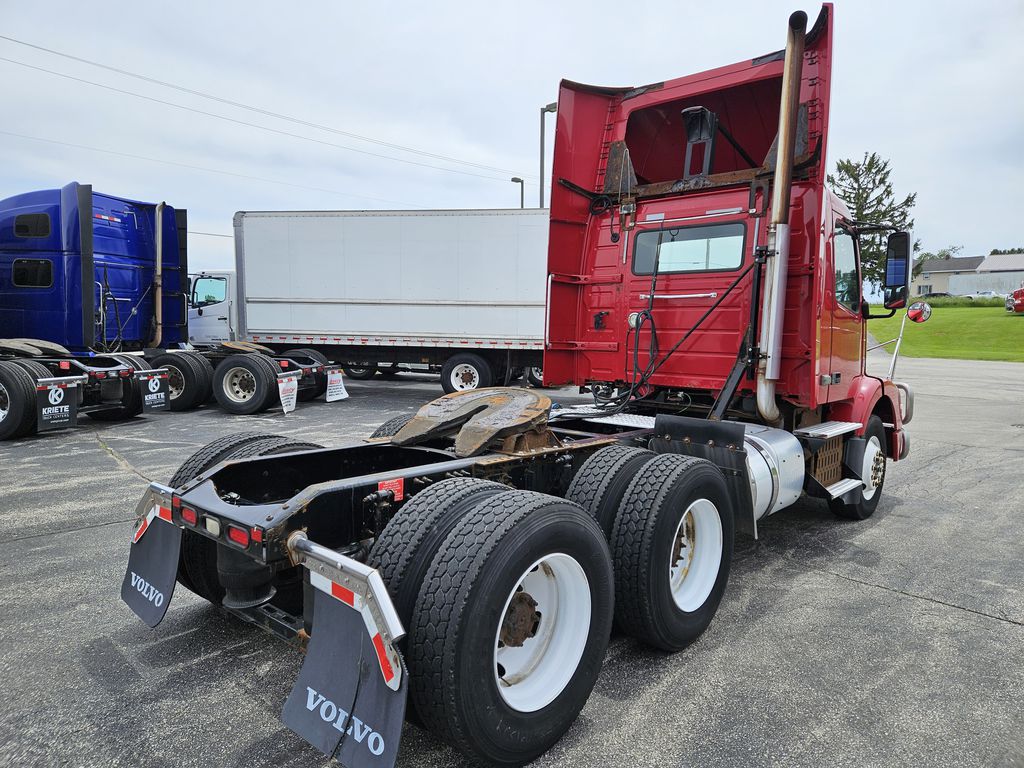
(223, 317)
(712, 295)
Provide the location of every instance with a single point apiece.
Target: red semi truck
(468, 561)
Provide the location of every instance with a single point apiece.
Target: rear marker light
(239, 536)
(189, 515)
(257, 535)
(64, 365)
(125, 374)
(100, 375)
(284, 363)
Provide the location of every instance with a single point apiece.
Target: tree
(998, 251)
(866, 189)
(949, 252)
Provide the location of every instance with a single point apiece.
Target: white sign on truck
(463, 290)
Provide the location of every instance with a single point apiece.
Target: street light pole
(549, 108)
(522, 191)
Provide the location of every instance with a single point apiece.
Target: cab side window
(844, 253)
(209, 290)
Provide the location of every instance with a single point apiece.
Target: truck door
(842, 310)
(209, 310)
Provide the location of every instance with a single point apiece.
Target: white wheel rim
(696, 555)
(239, 385)
(5, 402)
(532, 674)
(175, 381)
(873, 469)
(465, 376)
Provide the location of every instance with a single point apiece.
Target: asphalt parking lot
(895, 641)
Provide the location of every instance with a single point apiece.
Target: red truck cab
(681, 174)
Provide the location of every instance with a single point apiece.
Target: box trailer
(458, 290)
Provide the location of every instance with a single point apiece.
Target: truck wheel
(37, 371)
(190, 379)
(407, 545)
(872, 473)
(511, 626)
(672, 546)
(535, 377)
(321, 378)
(133, 407)
(390, 427)
(243, 384)
(601, 482)
(17, 401)
(361, 372)
(197, 563)
(466, 371)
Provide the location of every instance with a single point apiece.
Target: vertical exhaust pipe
(158, 277)
(774, 303)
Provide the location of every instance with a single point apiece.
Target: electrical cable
(246, 123)
(207, 170)
(262, 111)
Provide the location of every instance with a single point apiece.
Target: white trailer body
(396, 287)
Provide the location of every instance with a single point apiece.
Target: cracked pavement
(893, 641)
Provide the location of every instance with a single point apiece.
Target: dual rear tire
(507, 599)
(246, 383)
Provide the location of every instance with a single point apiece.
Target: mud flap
(152, 563)
(341, 702)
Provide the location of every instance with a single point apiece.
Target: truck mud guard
(154, 389)
(349, 698)
(57, 402)
(153, 561)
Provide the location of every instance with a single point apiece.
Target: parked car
(939, 295)
(985, 295)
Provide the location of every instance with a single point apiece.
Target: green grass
(961, 333)
(963, 301)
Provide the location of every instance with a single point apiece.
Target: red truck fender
(872, 395)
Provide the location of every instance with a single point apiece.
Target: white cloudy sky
(932, 85)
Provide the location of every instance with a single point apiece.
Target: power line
(243, 122)
(207, 170)
(209, 234)
(260, 110)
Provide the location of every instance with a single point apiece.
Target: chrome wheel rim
(5, 402)
(696, 555)
(239, 385)
(542, 632)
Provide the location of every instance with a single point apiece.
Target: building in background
(935, 274)
(1001, 273)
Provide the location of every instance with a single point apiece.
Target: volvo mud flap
(153, 561)
(349, 698)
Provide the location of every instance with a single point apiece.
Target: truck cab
(212, 307)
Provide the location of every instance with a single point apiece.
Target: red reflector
(100, 375)
(125, 374)
(283, 363)
(238, 535)
(64, 365)
(257, 535)
(175, 501)
(189, 515)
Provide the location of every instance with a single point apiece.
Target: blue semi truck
(94, 304)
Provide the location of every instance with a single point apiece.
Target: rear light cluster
(236, 534)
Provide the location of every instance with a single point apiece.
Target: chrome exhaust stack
(777, 266)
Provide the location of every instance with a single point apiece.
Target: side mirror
(919, 311)
(199, 310)
(897, 270)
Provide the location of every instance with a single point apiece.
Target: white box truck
(459, 291)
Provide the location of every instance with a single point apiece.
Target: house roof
(959, 264)
(1003, 262)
